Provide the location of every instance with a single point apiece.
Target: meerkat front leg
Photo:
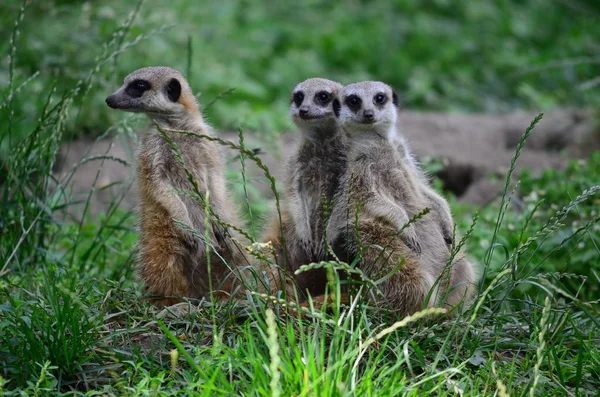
(166, 195)
(436, 202)
(440, 206)
(382, 207)
(300, 210)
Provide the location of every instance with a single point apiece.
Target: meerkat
(311, 180)
(381, 192)
(173, 261)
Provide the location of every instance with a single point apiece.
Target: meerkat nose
(368, 114)
(110, 101)
(303, 110)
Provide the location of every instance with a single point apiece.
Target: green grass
(72, 317)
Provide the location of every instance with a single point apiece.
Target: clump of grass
(54, 324)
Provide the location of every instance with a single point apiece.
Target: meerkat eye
(140, 85)
(298, 98)
(323, 97)
(137, 88)
(353, 101)
(379, 99)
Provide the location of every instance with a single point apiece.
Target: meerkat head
(158, 91)
(311, 107)
(368, 107)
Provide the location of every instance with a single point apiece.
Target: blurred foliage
(447, 55)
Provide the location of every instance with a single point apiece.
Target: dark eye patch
(136, 88)
(298, 98)
(174, 90)
(353, 102)
(395, 98)
(323, 98)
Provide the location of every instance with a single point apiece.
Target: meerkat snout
(111, 101)
(304, 112)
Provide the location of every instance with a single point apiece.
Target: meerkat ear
(395, 98)
(337, 106)
(174, 90)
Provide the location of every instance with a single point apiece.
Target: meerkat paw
(448, 233)
(307, 246)
(447, 224)
(410, 238)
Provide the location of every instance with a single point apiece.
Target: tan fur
(189, 103)
(312, 173)
(381, 192)
(172, 261)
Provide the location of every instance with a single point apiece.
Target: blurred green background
(474, 56)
